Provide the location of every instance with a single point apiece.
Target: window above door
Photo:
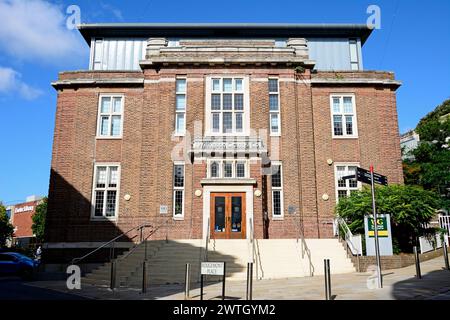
(227, 106)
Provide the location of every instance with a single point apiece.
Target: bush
(410, 207)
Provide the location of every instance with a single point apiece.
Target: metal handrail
(152, 232)
(252, 240)
(208, 235)
(348, 236)
(304, 247)
(140, 227)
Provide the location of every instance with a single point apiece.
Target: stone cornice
(355, 81)
(98, 82)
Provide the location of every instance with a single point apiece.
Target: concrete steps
(274, 259)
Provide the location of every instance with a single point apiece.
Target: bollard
(249, 280)
(359, 264)
(112, 283)
(201, 287)
(326, 264)
(417, 260)
(144, 276)
(444, 247)
(187, 281)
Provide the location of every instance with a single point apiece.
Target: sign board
(363, 175)
(213, 268)
(384, 235)
(381, 226)
(23, 209)
(163, 209)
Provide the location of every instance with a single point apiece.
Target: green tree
(6, 228)
(430, 166)
(410, 208)
(38, 225)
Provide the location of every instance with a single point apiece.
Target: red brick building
(22, 221)
(229, 128)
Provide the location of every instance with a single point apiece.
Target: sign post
(371, 177)
(213, 269)
(375, 224)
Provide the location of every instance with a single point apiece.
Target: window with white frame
(343, 113)
(227, 106)
(274, 106)
(178, 190)
(227, 169)
(110, 116)
(105, 191)
(180, 106)
(277, 190)
(345, 188)
(354, 61)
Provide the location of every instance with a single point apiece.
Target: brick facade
(146, 150)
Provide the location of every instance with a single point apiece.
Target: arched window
(214, 170)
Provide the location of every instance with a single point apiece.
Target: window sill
(179, 134)
(275, 134)
(345, 138)
(232, 134)
(277, 218)
(114, 219)
(178, 218)
(228, 181)
(108, 138)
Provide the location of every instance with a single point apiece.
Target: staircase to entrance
(273, 259)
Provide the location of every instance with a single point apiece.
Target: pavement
(398, 284)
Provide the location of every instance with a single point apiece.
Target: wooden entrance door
(228, 215)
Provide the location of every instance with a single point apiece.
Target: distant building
(21, 218)
(408, 142)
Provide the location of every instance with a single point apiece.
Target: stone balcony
(243, 146)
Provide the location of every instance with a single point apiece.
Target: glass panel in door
(236, 214)
(219, 214)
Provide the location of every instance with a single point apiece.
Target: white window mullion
(110, 114)
(341, 170)
(103, 188)
(233, 88)
(178, 188)
(277, 190)
(340, 114)
(180, 110)
(274, 106)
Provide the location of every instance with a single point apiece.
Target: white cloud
(116, 12)
(11, 83)
(36, 30)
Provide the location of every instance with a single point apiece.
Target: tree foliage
(38, 226)
(410, 208)
(430, 166)
(6, 228)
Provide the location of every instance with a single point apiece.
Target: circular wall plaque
(258, 193)
(198, 192)
(325, 197)
(127, 197)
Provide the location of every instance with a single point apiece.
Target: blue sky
(414, 42)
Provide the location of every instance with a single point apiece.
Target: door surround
(208, 189)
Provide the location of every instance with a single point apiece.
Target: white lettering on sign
(23, 209)
(213, 268)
